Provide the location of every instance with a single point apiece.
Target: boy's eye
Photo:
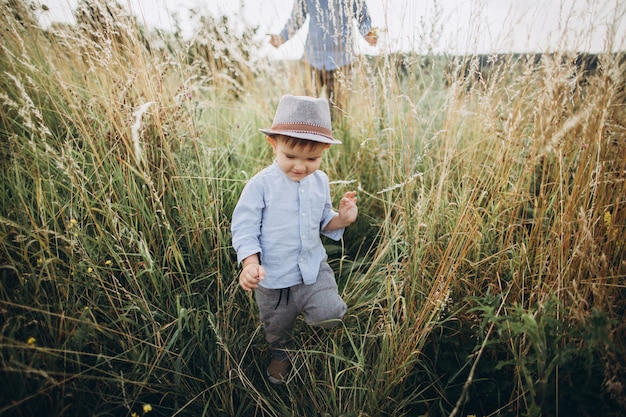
(313, 159)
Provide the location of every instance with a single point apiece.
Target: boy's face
(297, 162)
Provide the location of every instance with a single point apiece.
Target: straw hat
(303, 118)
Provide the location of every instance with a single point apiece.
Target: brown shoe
(278, 371)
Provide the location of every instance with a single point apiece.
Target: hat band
(301, 127)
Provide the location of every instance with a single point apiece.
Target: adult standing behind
(329, 45)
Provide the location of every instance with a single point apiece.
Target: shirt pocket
(280, 214)
(318, 209)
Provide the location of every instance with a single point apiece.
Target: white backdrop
(452, 26)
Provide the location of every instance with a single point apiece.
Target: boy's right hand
(251, 275)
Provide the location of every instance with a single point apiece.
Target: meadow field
(485, 275)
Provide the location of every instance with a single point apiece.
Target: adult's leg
(319, 82)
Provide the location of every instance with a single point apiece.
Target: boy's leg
(278, 314)
(321, 303)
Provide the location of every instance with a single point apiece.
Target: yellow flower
(89, 270)
(607, 219)
(31, 341)
(147, 408)
(73, 222)
(134, 414)
(108, 262)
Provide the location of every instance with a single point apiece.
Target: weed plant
(485, 275)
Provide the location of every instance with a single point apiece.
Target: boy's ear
(272, 141)
(327, 146)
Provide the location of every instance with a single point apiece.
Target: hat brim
(301, 135)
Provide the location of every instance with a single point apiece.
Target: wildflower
(108, 262)
(31, 341)
(89, 270)
(147, 408)
(73, 222)
(39, 261)
(134, 414)
(607, 219)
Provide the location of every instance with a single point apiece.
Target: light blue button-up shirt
(330, 40)
(281, 220)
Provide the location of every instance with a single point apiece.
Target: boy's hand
(251, 275)
(347, 208)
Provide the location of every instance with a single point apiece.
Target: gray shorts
(320, 303)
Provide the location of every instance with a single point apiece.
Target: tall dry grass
(485, 274)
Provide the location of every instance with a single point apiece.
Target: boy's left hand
(348, 209)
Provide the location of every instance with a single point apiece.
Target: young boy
(276, 229)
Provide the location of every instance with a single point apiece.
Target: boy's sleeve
(246, 222)
(333, 234)
(328, 215)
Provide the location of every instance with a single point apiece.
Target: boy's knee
(328, 324)
(328, 318)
